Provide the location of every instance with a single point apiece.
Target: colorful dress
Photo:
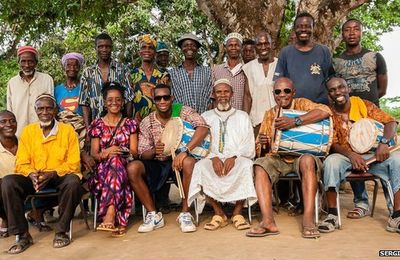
(143, 91)
(110, 184)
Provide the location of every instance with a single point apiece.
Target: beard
(28, 73)
(45, 124)
(223, 107)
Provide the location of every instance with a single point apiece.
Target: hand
(177, 164)
(44, 178)
(218, 166)
(159, 148)
(382, 152)
(110, 152)
(358, 163)
(284, 122)
(88, 161)
(34, 178)
(229, 164)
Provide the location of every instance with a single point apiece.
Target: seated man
(226, 175)
(47, 157)
(346, 110)
(149, 175)
(268, 169)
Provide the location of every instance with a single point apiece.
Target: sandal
(329, 224)
(3, 232)
(261, 232)
(109, 227)
(358, 213)
(61, 240)
(216, 222)
(310, 232)
(120, 232)
(22, 242)
(239, 222)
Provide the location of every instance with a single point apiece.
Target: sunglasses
(279, 91)
(165, 97)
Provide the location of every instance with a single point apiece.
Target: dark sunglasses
(286, 90)
(165, 97)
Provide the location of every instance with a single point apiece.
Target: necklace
(109, 123)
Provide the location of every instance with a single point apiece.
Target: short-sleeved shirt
(301, 104)
(342, 128)
(307, 69)
(150, 129)
(92, 83)
(193, 92)
(144, 90)
(68, 98)
(360, 72)
(7, 162)
(236, 77)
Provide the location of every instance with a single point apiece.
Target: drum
(365, 135)
(178, 133)
(313, 138)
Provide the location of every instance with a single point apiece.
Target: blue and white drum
(365, 135)
(178, 133)
(315, 139)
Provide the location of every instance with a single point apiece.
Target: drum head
(172, 135)
(363, 135)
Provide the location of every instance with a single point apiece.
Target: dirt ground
(358, 239)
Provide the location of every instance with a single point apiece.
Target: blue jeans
(337, 166)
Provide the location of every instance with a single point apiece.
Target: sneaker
(393, 225)
(153, 221)
(329, 224)
(185, 220)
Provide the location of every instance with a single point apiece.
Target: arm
(382, 151)
(9, 100)
(129, 109)
(357, 162)
(133, 144)
(87, 115)
(247, 100)
(198, 136)
(382, 81)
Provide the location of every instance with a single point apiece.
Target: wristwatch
(298, 121)
(384, 140)
(184, 149)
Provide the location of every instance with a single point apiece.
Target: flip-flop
(310, 232)
(358, 213)
(266, 232)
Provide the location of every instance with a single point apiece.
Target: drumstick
(373, 158)
(178, 178)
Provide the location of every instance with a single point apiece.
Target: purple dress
(110, 184)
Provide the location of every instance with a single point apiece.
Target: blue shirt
(67, 99)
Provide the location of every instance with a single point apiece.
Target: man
(305, 62)
(191, 82)
(93, 78)
(47, 157)
(8, 149)
(347, 110)
(259, 73)
(162, 56)
(226, 175)
(232, 70)
(149, 175)
(23, 89)
(268, 169)
(248, 50)
(146, 77)
(365, 73)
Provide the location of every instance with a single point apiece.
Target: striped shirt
(237, 78)
(194, 92)
(92, 83)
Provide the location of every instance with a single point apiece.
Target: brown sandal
(22, 243)
(109, 227)
(120, 232)
(310, 232)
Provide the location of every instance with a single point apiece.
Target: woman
(113, 143)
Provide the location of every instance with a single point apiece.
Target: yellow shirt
(7, 162)
(58, 152)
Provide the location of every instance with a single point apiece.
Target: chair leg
(276, 195)
(374, 197)
(95, 215)
(70, 230)
(390, 191)
(144, 213)
(249, 210)
(338, 210)
(85, 217)
(196, 212)
(316, 207)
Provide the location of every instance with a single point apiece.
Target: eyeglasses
(165, 97)
(286, 90)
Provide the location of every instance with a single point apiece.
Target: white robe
(239, 141)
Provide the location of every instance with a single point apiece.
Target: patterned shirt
(151, 129)
(342, 127)
(237, 78)
(92, 83)
(301, 104)
(194, 92)
(143, 90)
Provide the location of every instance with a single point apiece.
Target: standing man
(23, 89)
(305, 62)
(260, 73)
(93, 78)
(191, 82)
(162, 56)
(248, 50)
(232, 70)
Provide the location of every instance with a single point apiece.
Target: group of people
(110, 120)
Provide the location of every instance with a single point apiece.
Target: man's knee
(9, 182)
(72, 181)
(307, 161)
(188, 165)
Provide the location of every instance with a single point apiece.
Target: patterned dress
(110, 184)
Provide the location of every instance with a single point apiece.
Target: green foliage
(8, 68)
(392, 107)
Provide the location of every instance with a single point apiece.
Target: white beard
(45, 124)
(30, 73)
(222, 107)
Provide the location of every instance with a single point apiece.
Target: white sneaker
(185, 220)
(153, 221)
